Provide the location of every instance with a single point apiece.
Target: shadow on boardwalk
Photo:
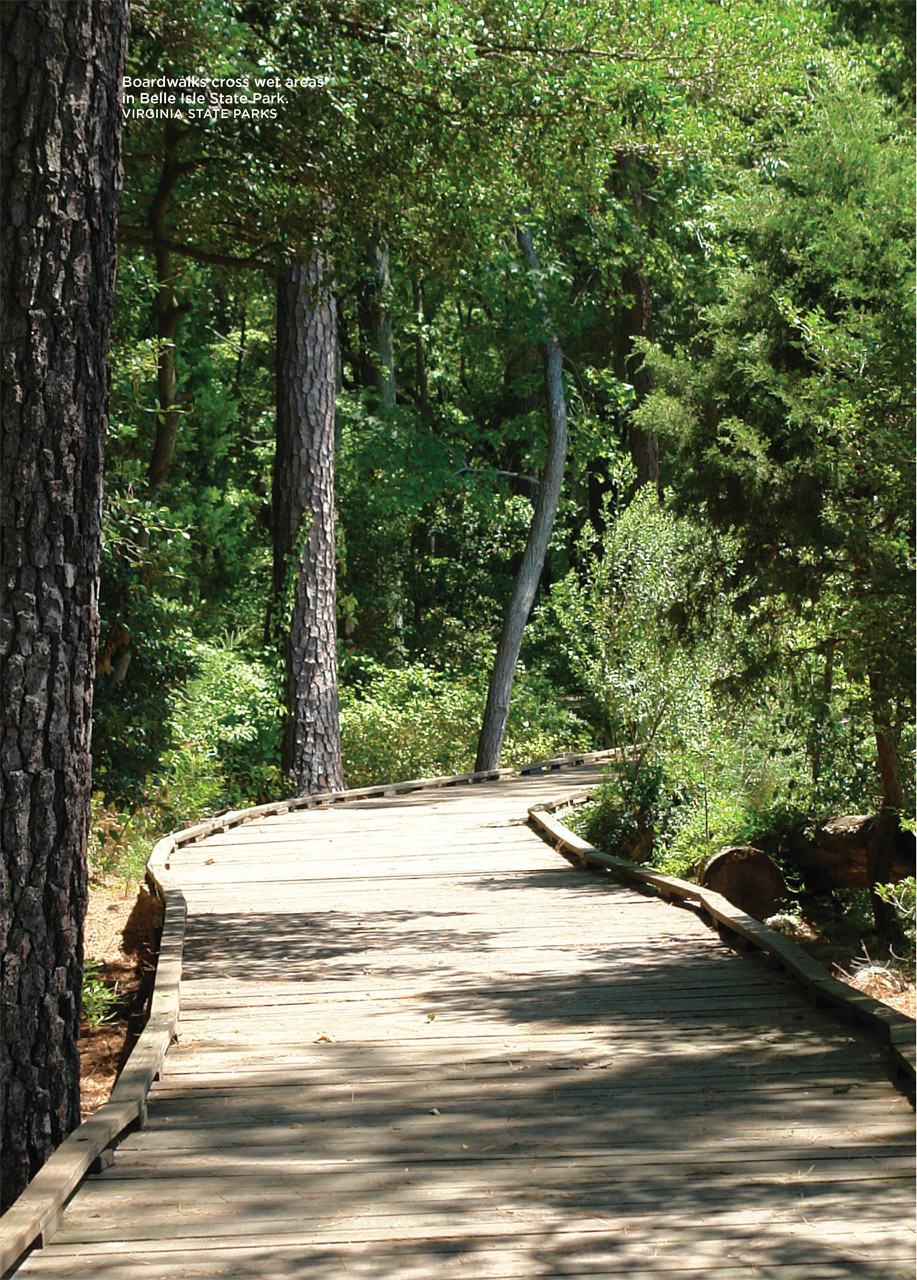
(708, 1114)
(396, 1063)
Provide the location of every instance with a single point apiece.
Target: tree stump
(748, 878)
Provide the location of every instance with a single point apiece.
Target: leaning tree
(62, 64)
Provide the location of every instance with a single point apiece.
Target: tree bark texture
(493, 727)
(61, 178)
(304, 523)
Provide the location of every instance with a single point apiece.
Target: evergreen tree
(790, 417)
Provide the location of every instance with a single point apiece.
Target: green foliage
(119, 844)
(709, 761)
(618, 622)
(414, 721)
(694, 798)
(182, 564)
(99, 1001)
(789, 419)
(223, 725)
(225, 722)
(903, 898)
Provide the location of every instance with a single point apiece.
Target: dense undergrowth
(222, 729)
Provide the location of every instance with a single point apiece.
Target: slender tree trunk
(61, 178)
(827, 686)
(304, 523)
(888, 826)
(493, 728)
(644, 445)
(384, 343)
(168, 311)
(420, 350)
(375, 313)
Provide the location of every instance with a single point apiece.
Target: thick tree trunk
(61, 178)
(493, 728)
(304, 524)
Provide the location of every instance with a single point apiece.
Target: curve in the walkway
(35, 1215)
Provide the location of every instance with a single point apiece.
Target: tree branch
(145, 239)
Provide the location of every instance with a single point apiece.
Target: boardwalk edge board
(895, 1029)
(34, 1217)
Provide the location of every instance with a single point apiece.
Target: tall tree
(496, 711)
(304, 570)
(791, 416)
(168, 309)
(61, 178)
(375, 313)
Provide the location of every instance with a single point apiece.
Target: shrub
(415, 721)
(99, 1001)
(120, 843)
(226, 722)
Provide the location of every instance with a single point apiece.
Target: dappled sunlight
(495, 1065)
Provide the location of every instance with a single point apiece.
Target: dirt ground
(122, 932)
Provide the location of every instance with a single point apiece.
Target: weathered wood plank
(629, 1237)
(446, 1264)
(415, 1044)
(485, 1259)
(185, 1222)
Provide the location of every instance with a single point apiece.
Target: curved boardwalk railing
(889, 1026)
(415, 1044)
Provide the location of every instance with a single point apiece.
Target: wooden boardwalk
(417, 1043)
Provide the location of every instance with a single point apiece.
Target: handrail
(35, 1216)
(895, 1029)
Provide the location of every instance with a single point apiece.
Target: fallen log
(836, 856)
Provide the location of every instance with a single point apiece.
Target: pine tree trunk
(61, 179)
(304, 524)
(493, 727)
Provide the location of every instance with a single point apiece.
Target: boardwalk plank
(416, 1044)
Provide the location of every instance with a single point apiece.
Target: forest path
(416, 1043)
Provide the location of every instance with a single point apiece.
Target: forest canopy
(719, 201)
